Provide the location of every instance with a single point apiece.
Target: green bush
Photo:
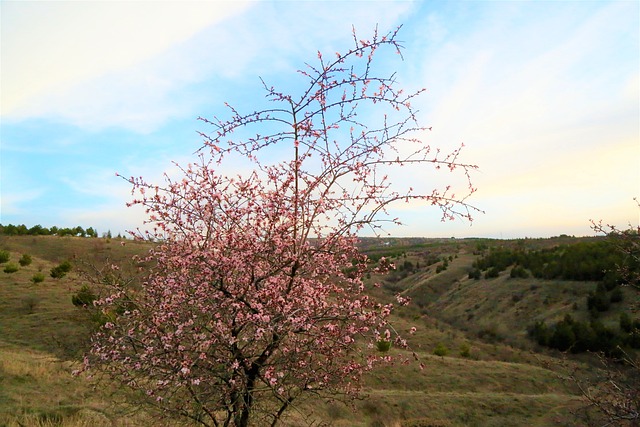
(616, 295)
(11, 268)
(492, 273)
(599, 300)
(441, 350)
(65, 266)
(465, 350)
(37, 278)
(56, 273)
(626, 323)
(540, 332)
(577, 337)
(563, 337)
(25, 260)
(61, 270)
(84, 297)
(4, 256)
(383, 346)
(519, 272)
(441, 267)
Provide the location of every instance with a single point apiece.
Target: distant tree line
(584, 261)
(602, 262)
(38, 230)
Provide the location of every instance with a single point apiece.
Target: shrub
(407, 265)
(492, 272)
(383, 345)
(56, 273)
(519, 272)
(61, 270)
(84, 297)
(465, 350)
(4, 256)
(475, 274)
(37, 278)
(616, 295)
(598, 300)
(563, 337)
(25, 260)
(540, 333)
(626, 323)
(11, 268)
(441, 350)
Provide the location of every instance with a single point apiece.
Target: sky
(544, 95)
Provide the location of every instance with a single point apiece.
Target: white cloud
(548, 109)
(133, 65)
(48, 47)
(101, 64)
(522, 111)
(13, 202)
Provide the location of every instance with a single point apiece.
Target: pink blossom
(256, 282)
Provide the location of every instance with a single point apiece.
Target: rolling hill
(489, 372)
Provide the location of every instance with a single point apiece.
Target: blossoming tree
(254, 296)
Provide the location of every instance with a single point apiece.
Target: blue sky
(545, 96)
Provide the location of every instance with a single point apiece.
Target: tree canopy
(254, 297)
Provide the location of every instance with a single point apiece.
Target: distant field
(492, 374)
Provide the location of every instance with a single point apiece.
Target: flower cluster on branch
(255, 295)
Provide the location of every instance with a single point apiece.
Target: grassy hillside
(489, 376)
(40, 315)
